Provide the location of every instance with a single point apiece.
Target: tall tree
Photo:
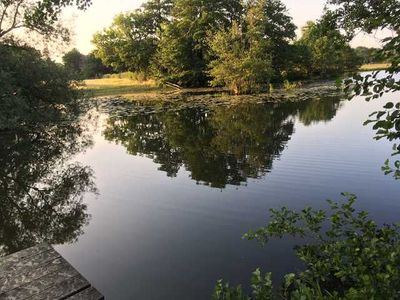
(73, 62)
(278, 29)
(183, 52)
(331, 54)
(129, 44)
(41, 16)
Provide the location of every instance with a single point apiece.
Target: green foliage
(272, 20)
(93, 67)
(243, 45)
(129, 44)
(347, 255)
(73, 61)
(33, 88)
(368, 16)
(183, 52)
(261, 289)
(330, 53)
(242, 62)
(252, 53)
(368, 55)
(40, 16)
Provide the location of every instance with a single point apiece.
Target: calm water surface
(152, 205)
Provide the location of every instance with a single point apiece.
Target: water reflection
(221, 145)
(40, 192)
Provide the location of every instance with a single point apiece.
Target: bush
(33, 88)
(353, 259)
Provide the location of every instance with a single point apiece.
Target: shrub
(353, 258)
(32, 87)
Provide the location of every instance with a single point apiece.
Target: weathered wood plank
(63, 290)
(22, 255)
(88, 294)
(41, 284)
(31, 263)
(41, 273)
(8, 283)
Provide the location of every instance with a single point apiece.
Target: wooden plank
(41, 273)
(22, 255)
(9, 282)
(31, 263)
(64, 289)
(88, 294)
(41, 284)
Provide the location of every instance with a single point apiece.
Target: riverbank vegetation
(32, 86)
(242, 45)
(346, 255)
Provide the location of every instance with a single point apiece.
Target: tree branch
(14, 24)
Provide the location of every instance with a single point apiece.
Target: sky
(102, 12)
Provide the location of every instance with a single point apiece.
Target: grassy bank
(375, 67)
(125, 84)
(119, 87)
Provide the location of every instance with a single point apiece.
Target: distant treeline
(244, 45)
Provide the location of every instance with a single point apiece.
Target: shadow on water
(41, 193)
(219, 145)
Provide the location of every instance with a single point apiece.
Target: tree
(183, 52)
(74, 62)
(131, 41)
(93, 67)
(331, 55)
(40, 16)
(33, 89)
(129, 44)
(278, 29)
(368, 16)
(368, 55)
(242, 61)
(254, 51)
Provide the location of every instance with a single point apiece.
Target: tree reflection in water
(40, 192)
(219, 146)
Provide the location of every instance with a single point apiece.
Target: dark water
(152, 205)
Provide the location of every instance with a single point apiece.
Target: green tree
(74, 62)
(368, 55)
(129, 44)
(277, 27)
(368, 16)
(183, 53)
(41, 16)
(242, 62)
(93, 67)
(331, 55)
(253, 51)
(32, 88)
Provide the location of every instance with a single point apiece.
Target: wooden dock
(41, 273)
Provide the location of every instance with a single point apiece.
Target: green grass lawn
(119, 87)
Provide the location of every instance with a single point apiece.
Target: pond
(151, 202)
